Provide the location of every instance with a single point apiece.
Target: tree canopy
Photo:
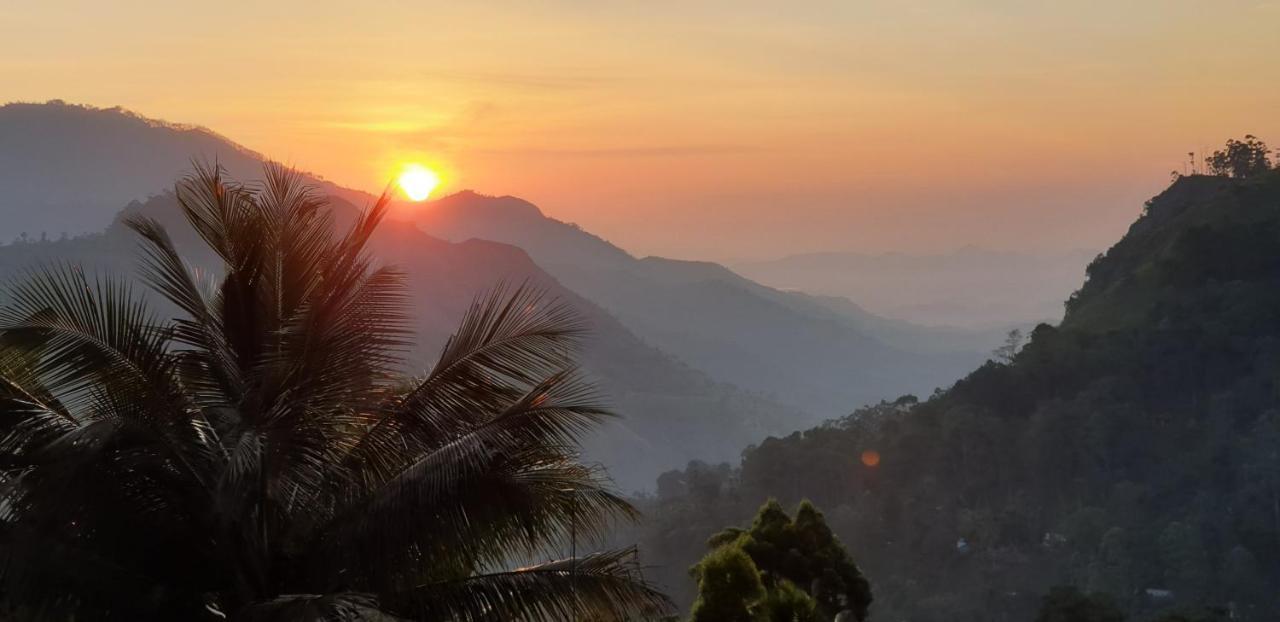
(1240, 158)
(803, 571)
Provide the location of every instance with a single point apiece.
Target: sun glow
(417, 181)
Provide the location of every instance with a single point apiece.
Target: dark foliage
(1240, 158)
(258, 457)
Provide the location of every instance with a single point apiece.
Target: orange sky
(723, 130)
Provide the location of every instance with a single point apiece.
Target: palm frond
(606, 585)
(337, 607)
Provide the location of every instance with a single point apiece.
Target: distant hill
(821, 354)
(970, 287)
(1133, 450)
(66, 168)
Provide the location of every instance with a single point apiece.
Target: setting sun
(418, 181)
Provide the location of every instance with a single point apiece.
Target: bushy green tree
(729, 587)
(259, 456)
(788, 603)
(801, 554)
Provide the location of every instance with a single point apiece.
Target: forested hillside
(1132, 450)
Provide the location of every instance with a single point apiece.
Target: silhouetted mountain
(76, 165)
(1131, 450)
(970, 287)
(819, 354)
(68, 169)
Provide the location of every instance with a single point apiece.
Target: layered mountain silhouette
(699, 360)
(68, 173)
(821, 354)
(672, 412)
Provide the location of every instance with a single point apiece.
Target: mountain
(969, 287)
(820, 354)
(69, 169)
(63, 171)
(1131, 450)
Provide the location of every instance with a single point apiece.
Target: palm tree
(259, 456)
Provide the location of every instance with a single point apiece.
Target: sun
(417, 181)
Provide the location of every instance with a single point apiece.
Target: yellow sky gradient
(721, 130)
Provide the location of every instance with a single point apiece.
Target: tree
(260, 457)
(798, 555)
(788, 603)
(1007, 352)
(1067, 604)
(728, 587)
(1241, 158)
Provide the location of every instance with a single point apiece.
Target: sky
(708, 130)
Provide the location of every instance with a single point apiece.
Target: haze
(728, 131)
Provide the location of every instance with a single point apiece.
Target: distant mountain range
(821, 354)
(699, 360)
(969, 287)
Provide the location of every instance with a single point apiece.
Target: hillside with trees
(1130, 452)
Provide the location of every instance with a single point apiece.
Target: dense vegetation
(257, 457)
(1133, 451)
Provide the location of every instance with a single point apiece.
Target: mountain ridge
(818, 354)
(673, 411)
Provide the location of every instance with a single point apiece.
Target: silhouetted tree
(1241, 158)
(259, 456)
(1009, 349)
